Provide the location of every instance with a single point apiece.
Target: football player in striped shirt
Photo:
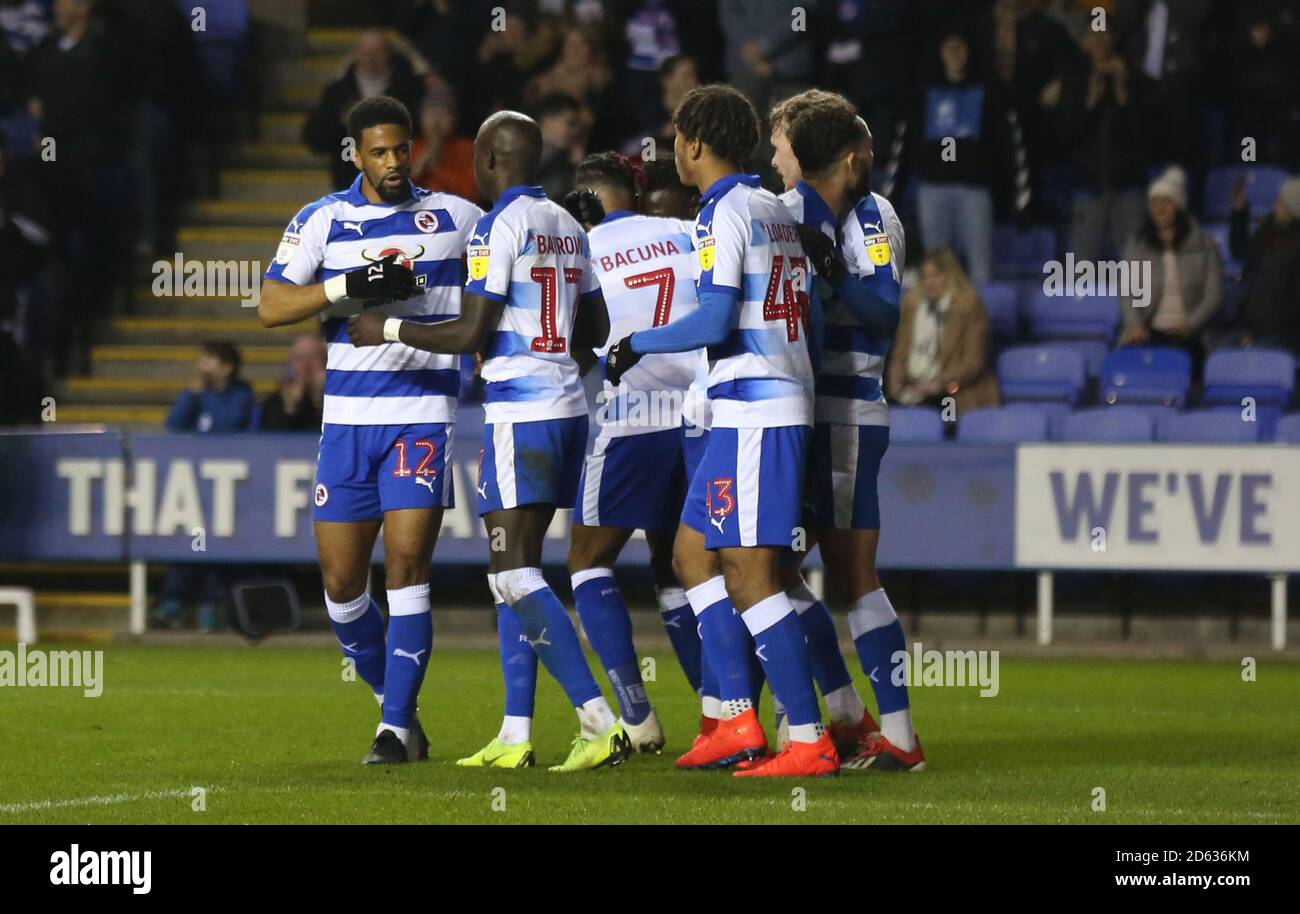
(856, 244)
(743, 507)
(389, 413)
(634, 478)
(534, 301)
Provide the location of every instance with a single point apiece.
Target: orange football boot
(736, 740)
(880, 754)
(850, 739)
(707, 726)
(800, 760)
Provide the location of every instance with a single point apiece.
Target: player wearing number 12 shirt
(742, 509)
(391, 249)
(533, 307)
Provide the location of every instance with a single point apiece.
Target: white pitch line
(106, 800)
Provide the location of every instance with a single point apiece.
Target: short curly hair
(613, 169)
(721, 118)
(371, 112)
(823, 129)
(786, 110)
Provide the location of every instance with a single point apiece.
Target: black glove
(822, 254)
(584, 206)
(381, 279)
(620, 358)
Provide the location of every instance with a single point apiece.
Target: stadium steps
(249, 213)
(293, 187)
(92, 391)
(245, 330)
(281, 126)
(75, 601)
(142, 361)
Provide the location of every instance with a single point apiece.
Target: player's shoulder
(463, 212)
(319, 212)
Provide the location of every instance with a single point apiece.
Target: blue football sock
(518, 664)
(679, 622)
(725, 639)
(878, 637)
(828, 666)
(709, 687)
(550, 633)
(609, 629)
(779, 643)
(410, 640)
(359, 626)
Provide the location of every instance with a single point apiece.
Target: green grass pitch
(275, 735)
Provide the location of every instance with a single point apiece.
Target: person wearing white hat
(1186, 288)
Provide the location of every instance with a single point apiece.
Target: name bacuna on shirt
(639, 254)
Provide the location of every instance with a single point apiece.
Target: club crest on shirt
(426, 221)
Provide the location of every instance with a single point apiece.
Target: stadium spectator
(959, 153)
(1162, 42)
(564, 142)
(296, 406)
(506, 59)
(1099, 118)
(863, 50)
(1265, 77)
(941, 346)
(441, 159)
(1271, 312)
(1186, 288)
(446, 33)
(765, 57)
(582, 73)
(24, 251)
(677, 76)
(217, 399)
(375, 70)
(650, 40)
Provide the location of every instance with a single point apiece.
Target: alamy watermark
(33, 667)
(1086, 278)
(955, 669)
(190, 278)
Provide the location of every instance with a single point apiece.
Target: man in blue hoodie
(217, 400)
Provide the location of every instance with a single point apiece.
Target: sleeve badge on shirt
(878, 249)
(478, 261)
(705, 246)
(284, 253)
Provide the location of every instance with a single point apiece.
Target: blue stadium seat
(1001, 304)
(1005, 425)
(1143, 374)
(1219, 233)
(1042, 372)
(1209, 426)
(915, 424)
(1110, 423)
(1262, 184)
(1021, 253)
(1268, 375)
(1094, 354)
(1094, 317)
(1288, 429)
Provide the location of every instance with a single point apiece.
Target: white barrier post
(139, 598)
(1044, 608)
(1279, 611)
(24, 601)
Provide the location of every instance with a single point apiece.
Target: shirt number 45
(793, 305)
